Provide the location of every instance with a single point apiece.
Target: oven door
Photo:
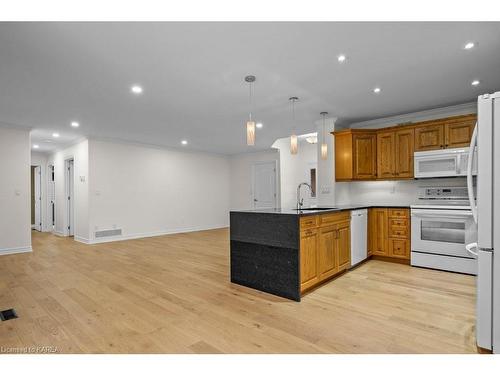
(443, 232)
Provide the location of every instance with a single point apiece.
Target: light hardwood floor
(172, 294)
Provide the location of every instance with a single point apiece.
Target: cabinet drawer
(399, 248)
(400, 232)
(308, 222)
(399, 212)
(327, 219)
(398, 222)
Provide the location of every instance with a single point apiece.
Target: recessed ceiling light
(469, 45)
(341, 58)
(259, 125)
(55, 135)
(377, 90)
(36, 146)
(475, 82)
(75, 124)
(136, 89)
(184, 142)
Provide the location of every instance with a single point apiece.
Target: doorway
(70, 192)
(51, 189)
(36, 198)
(264, 185)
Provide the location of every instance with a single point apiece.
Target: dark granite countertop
(291, 211)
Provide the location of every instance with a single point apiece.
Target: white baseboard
(60, 234)
(16, 250)
(81, 239)
(150, 234)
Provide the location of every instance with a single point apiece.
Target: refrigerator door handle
(471, 246)
(470, 163)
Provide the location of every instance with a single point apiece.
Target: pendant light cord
(250, 94)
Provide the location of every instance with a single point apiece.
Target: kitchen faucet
(300, 202)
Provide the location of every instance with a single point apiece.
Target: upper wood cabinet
(387, 153)
(386, 161)
(355, 155)
(404, 146)
(444, 133)
(395, 153)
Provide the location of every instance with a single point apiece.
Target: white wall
(295, 169)
(15, 191)
(148, 191)
(402, 192)
(80, 153)
(241, 181)
(40, 159)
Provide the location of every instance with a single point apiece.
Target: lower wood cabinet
(324, 250)
(389, 232)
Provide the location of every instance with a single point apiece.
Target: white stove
(441, 226)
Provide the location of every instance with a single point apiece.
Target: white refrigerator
(487, 216)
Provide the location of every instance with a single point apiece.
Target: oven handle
(441, 213)
(471, 246)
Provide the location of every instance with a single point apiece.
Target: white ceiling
(192, 74)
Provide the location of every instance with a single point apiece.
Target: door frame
(69, 197)
(51, 204)
(276, 187)
(38, 226)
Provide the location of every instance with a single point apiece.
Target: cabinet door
(344, 245)
(459, 134)
(309, 274)
(328, 256)
(378, 231)
(429, 137)
(399, 248)
(404, 140)
(385, 155)
(364, 155)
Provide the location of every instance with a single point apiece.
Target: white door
(70, 195)
(38, 199)
(264, 185)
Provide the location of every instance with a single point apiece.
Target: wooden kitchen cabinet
(450, 132)
(429, 136)
(389, 232)
(325, 250)
(404, 147)
(385, 154)
(328, 256)
(458, 131)
(309, 246)
(343, 245)
(377, 231)
(355, 155)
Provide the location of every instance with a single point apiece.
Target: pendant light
(324, 146)
(294, 147)
(250, 123)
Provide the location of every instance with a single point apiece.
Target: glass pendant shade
(324, 151)
(294, 147)
(251, 133)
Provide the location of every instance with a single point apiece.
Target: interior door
(38, 198)
(70, 197)
(264, 185)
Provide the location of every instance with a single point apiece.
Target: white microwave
(450, 162)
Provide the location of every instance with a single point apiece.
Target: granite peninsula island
(288, 252)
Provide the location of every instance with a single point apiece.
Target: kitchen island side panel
(265, 253)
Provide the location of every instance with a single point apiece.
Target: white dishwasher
(359, 229)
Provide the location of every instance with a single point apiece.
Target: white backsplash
(388, 192)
